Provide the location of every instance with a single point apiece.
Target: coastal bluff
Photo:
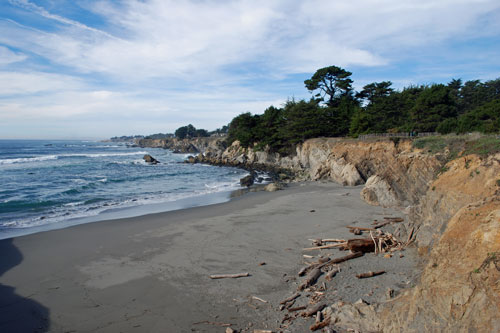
(452, 201)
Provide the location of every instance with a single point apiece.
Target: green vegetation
(190, 131)
(483, 146)
(433, 144)
(335, 109)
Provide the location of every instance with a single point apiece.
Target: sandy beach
(152, 273)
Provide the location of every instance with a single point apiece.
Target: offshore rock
(150, 159)
(247, 181)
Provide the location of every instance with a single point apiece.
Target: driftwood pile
(376, 241)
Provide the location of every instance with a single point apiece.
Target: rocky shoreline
(440, 195)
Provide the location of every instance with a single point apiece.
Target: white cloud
(178, 61)
(9, 57)
(166, 38)
(18, 83)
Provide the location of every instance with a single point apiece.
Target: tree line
(189, 131)
(337, 110)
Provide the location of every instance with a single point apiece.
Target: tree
(332, 82)
(243, 128)
(202, 133)
(376, 90)
(185, 132)
(432, 106)
(485, 118)
(301, 120)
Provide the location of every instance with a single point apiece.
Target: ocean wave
(103, 154)
(55, 157)
(28, 159)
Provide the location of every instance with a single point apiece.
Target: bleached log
(229, 276)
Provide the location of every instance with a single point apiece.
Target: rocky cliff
(453, 206)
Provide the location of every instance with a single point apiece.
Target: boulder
(191, 159)
(150, 159)
(273, 187)
(378, 192)
(247, 181)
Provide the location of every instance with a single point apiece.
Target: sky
(95, 69)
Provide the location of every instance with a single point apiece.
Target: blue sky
(96, 69)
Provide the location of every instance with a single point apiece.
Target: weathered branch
(369, 274)
(310, 278)
(230, 276)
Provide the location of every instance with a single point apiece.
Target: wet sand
(151, 273)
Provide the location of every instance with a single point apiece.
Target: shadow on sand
(18, 314)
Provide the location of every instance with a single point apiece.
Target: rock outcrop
(150, 159)
(459, 241)
(247, 181)
(193, 146)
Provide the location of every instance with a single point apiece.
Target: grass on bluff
(460, 145)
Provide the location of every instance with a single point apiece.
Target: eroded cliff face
(454, 208)
(194, 145)
(395, 174)
(459, 220)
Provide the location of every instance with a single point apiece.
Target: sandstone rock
(273, 187)
(150, 159)
(378, 192)
(359, 316)
(458, 290)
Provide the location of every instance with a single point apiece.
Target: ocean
(47, 185)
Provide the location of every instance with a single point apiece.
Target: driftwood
(291, 298)
(303, 270)
(393, 219)
(289, 304)
(345, 258)
(297, 308)
(320, 263)
(212, 323)
(360, 228)
(229, 276)
(410, 235)
(259, 299)
(310, 278)
(369, 274)
(319, 317)
(333, 240)
(363, 245)
(320, 325)
(330, 246)
(312, 310)
(380, 225)
(331, 274)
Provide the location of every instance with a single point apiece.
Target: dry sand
(151, 273)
